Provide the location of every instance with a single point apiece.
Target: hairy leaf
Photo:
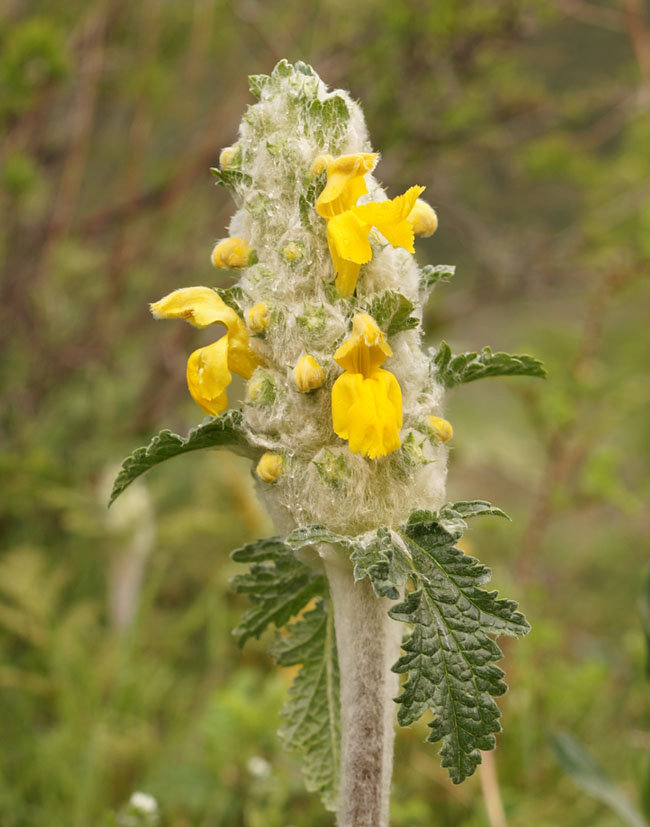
(383, 562)
(233, 297)
(312, 535)
(225, 431)
(392, 312)
(467, 367)
(430, 275)
(449, 657)
(312, 724)
(231, 178)
(278, 584)
(591, 778)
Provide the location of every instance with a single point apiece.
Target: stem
(368, 644)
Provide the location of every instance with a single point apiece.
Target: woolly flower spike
(231, 254)
(423, 219)
(366, 400)
(208, 368)
(348, 225)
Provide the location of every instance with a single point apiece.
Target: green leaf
(644, 610)
(232, 179)
(591, 778)
(467, 367)
(449, 657)
(233, 297)
(312, 727)
(225, 431)
(313, 534)
(278, 584)
(452, 516)
(430, 275)
(256, 84)
(383, 562)
(392, 312)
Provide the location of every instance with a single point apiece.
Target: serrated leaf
(392, 312)
(430, 275)
(452, 516)
(311, 535)
(468, 367)
(450, 657)
(256, 84)
(278, 584)
(224, 431)
(591, 778)
(383, 562)
(231, 178)
(312, 715)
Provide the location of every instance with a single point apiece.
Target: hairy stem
(368, 644)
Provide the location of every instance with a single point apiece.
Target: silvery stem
(368, 644)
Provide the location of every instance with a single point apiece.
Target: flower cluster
(366, 400)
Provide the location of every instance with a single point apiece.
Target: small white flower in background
(141, 811)
(144, 803)
(258, 766)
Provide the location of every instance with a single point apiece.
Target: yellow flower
(258, 317)
(348, 225)
(208, 368)
(231, 254)
(440, 428)
(366, 399)
(308, 374)
(423, 219)
(270, 467)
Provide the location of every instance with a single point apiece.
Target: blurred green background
(529, 123)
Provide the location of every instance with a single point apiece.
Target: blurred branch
(490, 789)
(563, 455)
(636, 24)
(591, 13)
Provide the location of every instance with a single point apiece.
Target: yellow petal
(347, 272)
(389, 217)
(199, 306)
(208, 376)
(366, 349)
(345, 184)
(241, 359)
(349, 236)
(368, 412)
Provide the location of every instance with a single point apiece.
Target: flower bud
(441, 429)
(230, 157)
(423, 219)
(320, 163)
(231, 254)
(293, 252)
(260, 389)
(258, 317)
(269, 468)
(308, 374)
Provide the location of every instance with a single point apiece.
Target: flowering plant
(344, 423)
